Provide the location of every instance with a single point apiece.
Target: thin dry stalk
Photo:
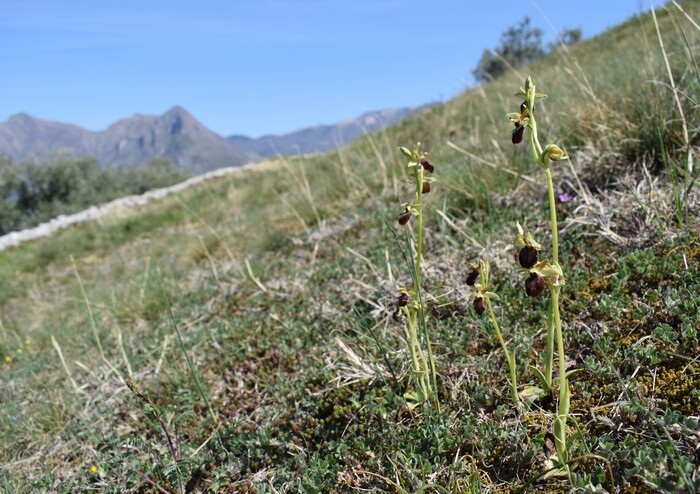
(366, 260)
(146, 274)
(495, 166)
(93, 324)
(164, 347)
(209, 257)
(580, 79)
(692, 21)
(380, 160)
(684, 123)
(122, 349)
(294, 211)
(208, 227)
(254, 278)
(454, 225)
(57, 347)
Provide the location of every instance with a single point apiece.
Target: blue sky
(255, 67)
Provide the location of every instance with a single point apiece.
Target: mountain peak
(178, 110)
(177, 119)
(323, 138)
(21, 119)
(178, 136)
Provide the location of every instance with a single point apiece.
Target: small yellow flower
(8, 359)
(27, 341)
(93, 469)
(19, 350)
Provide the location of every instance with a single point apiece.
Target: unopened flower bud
(554, 153)
(517, 136)
(472, 276)
(427, 166)
(479, 305)
(404, 217)
(528, 256)
(534, 285)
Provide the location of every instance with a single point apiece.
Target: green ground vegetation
(240, 336)
(34, 192)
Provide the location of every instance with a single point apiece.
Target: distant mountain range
(179, 137)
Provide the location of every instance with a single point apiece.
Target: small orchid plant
(482, 296)
(544, 273)
(410, 302)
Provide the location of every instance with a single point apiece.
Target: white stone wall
(95, 212)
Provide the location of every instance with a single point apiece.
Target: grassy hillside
(241, 336)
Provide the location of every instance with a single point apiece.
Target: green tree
(31, 193)
(10, 216)
(519, 45)
(568, 37)
(160, 172)
(61, 186)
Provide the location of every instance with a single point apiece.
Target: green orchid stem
(554, 306)
(414, 349)
(554, 317)
(419, 226)
(553, 217)
(417, 279)
(423, 370)
(549, 352)
(563, 405)
(432, 382)
(536, 147)
(509, 357)
(555, 321)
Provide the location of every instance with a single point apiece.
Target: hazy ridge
(179, 137)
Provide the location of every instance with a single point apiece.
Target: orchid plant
(482, 296)
(411, 303)
(544, 273)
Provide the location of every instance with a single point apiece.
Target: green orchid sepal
(406, 152)
(551, 272)
(525, 240)
(490, 295)
(410, 207)
(526, 92)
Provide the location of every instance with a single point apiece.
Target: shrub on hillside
(31, 193)
(519, 45)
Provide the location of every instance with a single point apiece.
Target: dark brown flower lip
(427, 166)
(472, 276)
(479, 305)
(518, 132)
(528, 256)
(534, 285)
(404, 217)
